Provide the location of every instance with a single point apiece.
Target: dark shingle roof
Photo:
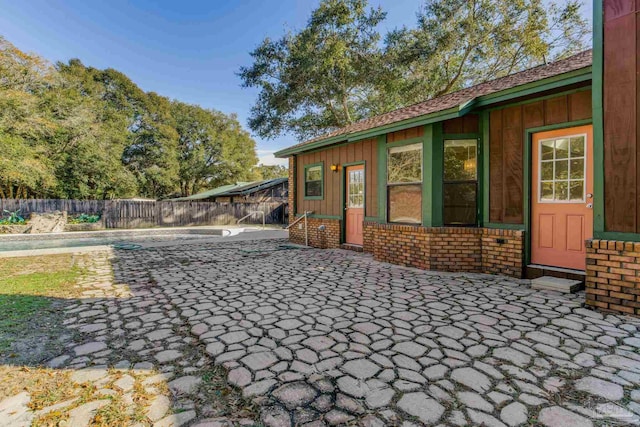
(255, 186)
(239, 188)
(463, 96)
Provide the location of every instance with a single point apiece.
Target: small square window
(313, 181)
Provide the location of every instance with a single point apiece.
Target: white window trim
(539, 166)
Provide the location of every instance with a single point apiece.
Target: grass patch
(40, 276)
(29, 289)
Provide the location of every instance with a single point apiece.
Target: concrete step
(548, 283)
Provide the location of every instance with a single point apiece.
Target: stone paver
(15, 412)
(329, 337)
(325, 337)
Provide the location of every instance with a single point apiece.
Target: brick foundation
(613, 276)
(329, 238)
(503, 252)
(455, 249)
(368, 234)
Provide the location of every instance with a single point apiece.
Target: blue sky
(188, 50)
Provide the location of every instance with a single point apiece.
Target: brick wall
(613, 276)
(399, 244)
(325, 239)
(447, 248)
(503, 252)
(368, 234)
(292, 188)
(456, 249)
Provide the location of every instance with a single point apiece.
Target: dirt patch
(51, 222)
(33, 293)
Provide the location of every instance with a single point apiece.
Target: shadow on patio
(78, 348)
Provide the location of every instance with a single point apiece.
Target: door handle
(590, 205)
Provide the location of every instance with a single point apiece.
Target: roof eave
(543, 85)
(370, 133)
(555, 82)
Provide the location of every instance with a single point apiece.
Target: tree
(72, 131)
(271, 171)
(89, 156)
(460, 43)
(152, 153)
(25, 167)
(334, 72)
(238, 153)
(213, 149)
(315, 79)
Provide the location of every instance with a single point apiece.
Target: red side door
(354, 209)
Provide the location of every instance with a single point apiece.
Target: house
(270, 190)
(530, 174)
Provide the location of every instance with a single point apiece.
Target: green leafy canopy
(340, 69)
(72, 131)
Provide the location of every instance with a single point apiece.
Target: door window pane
(577, 146)
(562, 149)
(577, 169)
(547, 191)
(405, 204)
(356, 189)
(562, 169)
(546, 171)
(547, 150)
(561, 188)
(576, 190)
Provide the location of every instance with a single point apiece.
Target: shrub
(13, 218)
(84, 219)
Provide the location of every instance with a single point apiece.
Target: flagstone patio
(331, 337)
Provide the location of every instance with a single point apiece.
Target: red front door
(562, 197)
(354, 209)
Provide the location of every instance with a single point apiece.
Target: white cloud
(266, 157)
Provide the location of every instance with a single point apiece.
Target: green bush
(13, 218)
(84, 219)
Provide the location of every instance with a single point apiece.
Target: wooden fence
(138, 214)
